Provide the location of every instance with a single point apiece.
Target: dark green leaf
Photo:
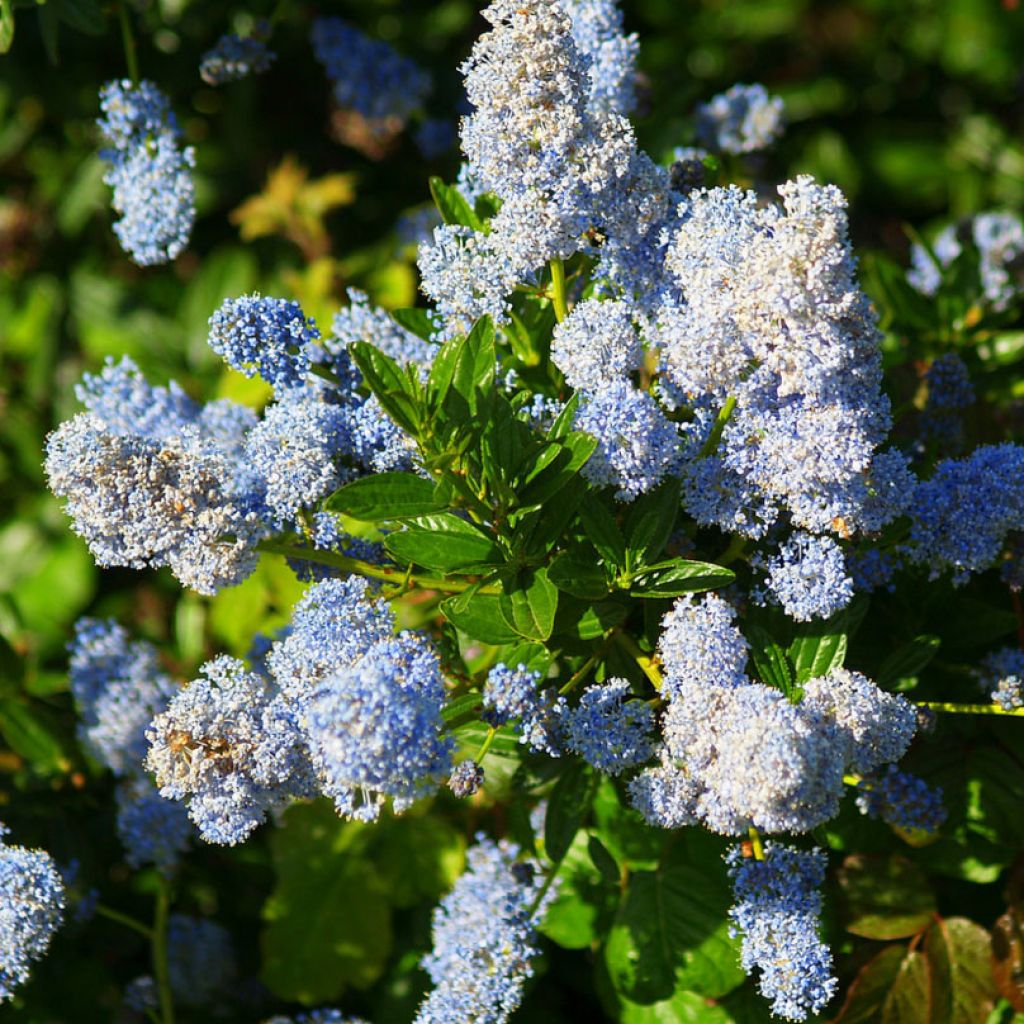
(481, 619)
(528, 602)
(584, 903)
(385, 496)
(908, 660)
(575, 449)
(963, 989)
(603, 532)
(33, 732)
(603, 860)
(680, 576)
(82, 15)
(443, 542)
(578, 575)
(565, 419)
(6, 25)
(868, 992)
(328, 920)
(452, 709)
(568, 805)
(650, 522)
(416, 858)
(419, 321)
(819, 647)
(587, 622)
(452, 205)
(886, 897)
(770, 660)
(681, 1008)
(384, 377)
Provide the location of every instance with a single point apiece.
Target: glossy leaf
(443, 542)
(383, 496)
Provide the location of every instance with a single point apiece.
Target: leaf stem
(582, 671)
(969, 709)
(558, 297)
(710, 446)
(128, 40)
(160, 971)
(755, 842)
(645, 661)
(125, 919)
(486, 745)
(376, 572)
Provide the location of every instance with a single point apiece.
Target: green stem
(128, 39)
(368, 569)
(755, 842)
(711, 444)
(581, 673)
(486, 745)
(645, 661)
(558, 288)
(125, 919)
(852, 780)
(969, 709)
(160, 972)
(543, 891)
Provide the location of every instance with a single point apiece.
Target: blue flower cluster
(743, 119)
(119, 687)
(31, 909)
(597, 31)
(808, 577)
(608, 730)
(999, 240)
(1001, 675)
(484, 938)
(902, 800)
(777, 912)
(368, 76)
(236, 57)
(513, 695)
(149, 171)
(949, 394)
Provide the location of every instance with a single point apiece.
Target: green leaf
(565, 419)
(578, 575)
(82, 15)
(622, 830)
(384, 377)
(443, 542)
(584, 902)
(416, 858)
(770, 660)
(672, 931)
(452, 206)
(6, 25)
(886, 897)
(651, 520)
(480, 618)
(33, 732)
(869, 992)
(963, 988)
(603, 860)
(680, 576)
(528, 603)
(474, 365)
(908, 660)
(819, 647)
(588, 622)
(568, 805)
(328, 919)
(681, 1008)
(603, 532)
(385, 496)
(558, 471)
(419, 321)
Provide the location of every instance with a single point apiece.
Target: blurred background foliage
(915, 109)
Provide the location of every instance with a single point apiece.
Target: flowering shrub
(645, 598)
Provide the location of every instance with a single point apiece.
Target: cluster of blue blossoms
(149, 171)
(723, 341)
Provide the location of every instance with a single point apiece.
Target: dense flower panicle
(118, 686)
(261, 335)
(962, 515)
(637, 445)
(236, 57)
(361, 321)
(1001, 675)
(150, 173)
(466, 778)
(999, 240)
(368, 75)
(608, 730)
(875, 727)
(754, 758)
(872, 569)
(596, 344)
(374, 728)
(295, 449)
(949, 394)
(334, 624)
(777, 911)
(138, 503)
(773, 318)
(229, 749)
(901, 799)
(378, 444)
(514, 695)
(701, 645)
(31, 909)
(152, 830)
(200, 960)
(484, 938)
(665, 795)
(743, 119)
(465, 277)
(597, 31)
(808, 577)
